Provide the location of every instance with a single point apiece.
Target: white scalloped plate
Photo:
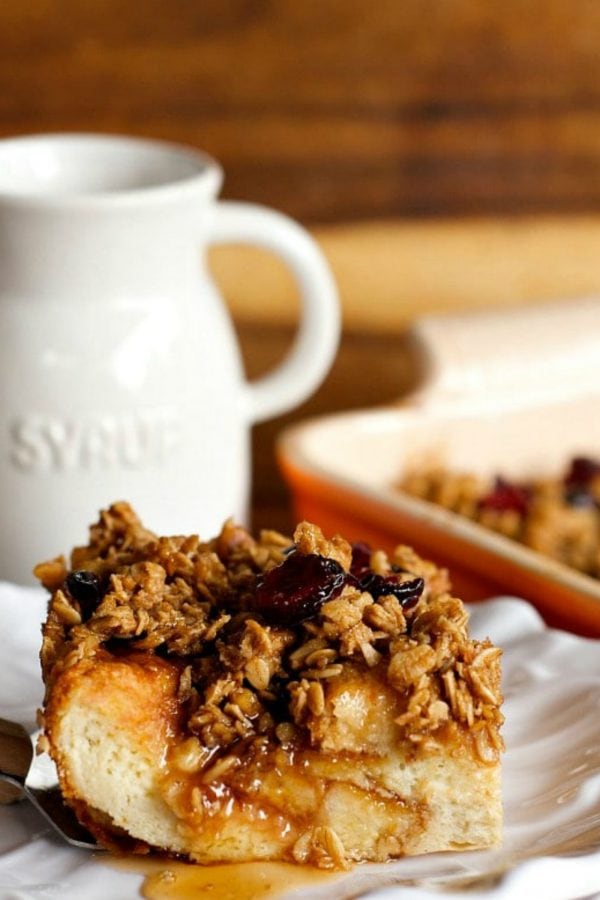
(551, 846)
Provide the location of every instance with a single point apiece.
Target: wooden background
(330, 109)
(446, 152)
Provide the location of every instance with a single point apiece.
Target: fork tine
(16, 753)
(24, 775)
(52, 806)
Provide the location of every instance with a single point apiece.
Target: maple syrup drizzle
(168, 880)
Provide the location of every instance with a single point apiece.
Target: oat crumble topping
(559, 517)
(245, 675)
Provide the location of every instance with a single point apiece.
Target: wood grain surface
(389, 272)
(330, 109)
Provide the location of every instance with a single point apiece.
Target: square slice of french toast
(248, 698)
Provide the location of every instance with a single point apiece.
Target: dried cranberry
(506, 496)
(361, 559)
(86, 589)
(407, 592)
(295, 589)
(581, 471)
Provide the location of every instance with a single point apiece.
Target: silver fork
(24, 775)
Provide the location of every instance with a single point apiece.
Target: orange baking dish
(343, 470)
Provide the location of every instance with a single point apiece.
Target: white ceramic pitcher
(120, 374)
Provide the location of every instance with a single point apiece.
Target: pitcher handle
(316, 340)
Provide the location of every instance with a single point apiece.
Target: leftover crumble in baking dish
(559, 517)
(237, 699)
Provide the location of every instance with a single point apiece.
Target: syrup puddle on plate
(168, 880)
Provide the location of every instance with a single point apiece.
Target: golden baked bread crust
(225, 721)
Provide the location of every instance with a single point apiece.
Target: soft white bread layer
(110, 723)
(114, 730)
